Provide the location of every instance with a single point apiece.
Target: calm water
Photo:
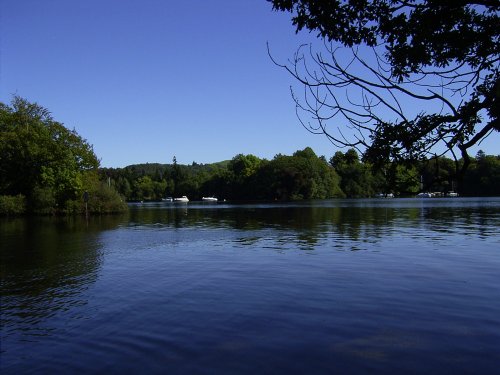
(363, 286)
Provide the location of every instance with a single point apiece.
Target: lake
(388, 286)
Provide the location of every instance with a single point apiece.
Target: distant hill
(155, 169)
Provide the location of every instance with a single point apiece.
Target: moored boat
(424, 195)
(382, 195)
(181, 199)
(209, 199)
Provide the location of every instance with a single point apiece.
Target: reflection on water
(341, 286)
(47, 263)
(340, 220)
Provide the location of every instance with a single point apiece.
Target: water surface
(341, 286)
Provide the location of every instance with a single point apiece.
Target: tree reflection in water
(346, 224)
(47, 265)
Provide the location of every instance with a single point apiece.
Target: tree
(44, 161)
(243, 166)
(300, 176)
(143, 188)
(483, 177)
(437, 174)
(178, 176)
(38, 152)
(356, 179)
(242, 172)
(399, 79)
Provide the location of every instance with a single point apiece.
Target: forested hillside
(303, 175)
(245, 177)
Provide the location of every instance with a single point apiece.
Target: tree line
(303, 175)
(46, 168)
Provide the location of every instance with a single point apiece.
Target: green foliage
(41, 159)
(12, 205)
(43, 200)
(302, 175)
(438, 174)
(143, 188)
(244, 166)
(483, 176)
(440, 56)
(406, 180)
(357, 180)
(245, 177)
(416, 33)
(104, 200)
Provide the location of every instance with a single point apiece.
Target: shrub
(102, 200)
(105, 200)
(43, 201)
(12, 205)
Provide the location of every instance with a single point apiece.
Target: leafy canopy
(40, 158)
(441, 54)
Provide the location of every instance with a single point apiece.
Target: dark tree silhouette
(398, 79)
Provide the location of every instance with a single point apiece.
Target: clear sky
(144, 80)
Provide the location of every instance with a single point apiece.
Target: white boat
(382, 195)
(424, 195)
(452, 194)
(181, 199)
(167, 199)
(209, 199)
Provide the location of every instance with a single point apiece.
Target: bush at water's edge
(101, 200)
(12, 204)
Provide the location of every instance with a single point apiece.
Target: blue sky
(146, 80)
